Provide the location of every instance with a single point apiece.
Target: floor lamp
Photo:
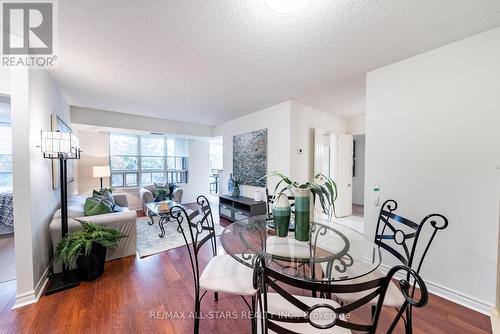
(62, 146)
(101, 172)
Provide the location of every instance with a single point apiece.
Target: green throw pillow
(96, 206)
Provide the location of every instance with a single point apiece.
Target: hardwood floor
(154, 294)
(358, 210)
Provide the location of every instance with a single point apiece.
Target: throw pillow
(96, 206)
(105, 194)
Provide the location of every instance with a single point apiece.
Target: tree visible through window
(145, 159)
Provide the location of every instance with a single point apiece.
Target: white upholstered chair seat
(276, 304)
(224, 274)
(394, 297)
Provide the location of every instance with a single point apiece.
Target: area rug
(149, 242)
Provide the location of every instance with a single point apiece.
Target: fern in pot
(86, 249)
(321, 187)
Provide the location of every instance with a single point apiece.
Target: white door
(344, 176)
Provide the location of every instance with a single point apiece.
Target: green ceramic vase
(281, 215)
(302, 213)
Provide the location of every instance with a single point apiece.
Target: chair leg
(409, 322)
(197, 316)
(253, 317)
(216, 296)
(373, 309)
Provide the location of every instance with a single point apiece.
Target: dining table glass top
(333, 253)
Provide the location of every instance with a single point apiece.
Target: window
(5, 155)
(138, 160)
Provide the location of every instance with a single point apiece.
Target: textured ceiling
(210, 61)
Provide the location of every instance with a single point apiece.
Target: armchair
(147, 196)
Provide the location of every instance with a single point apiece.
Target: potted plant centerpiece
(87, 249)
(321, 187)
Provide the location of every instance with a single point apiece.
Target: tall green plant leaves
(321, 187)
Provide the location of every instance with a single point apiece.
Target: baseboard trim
(495, 321)
(33, 296)
(452, 295)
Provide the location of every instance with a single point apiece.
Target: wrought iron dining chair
(403, 239)
(285, 313)
(222, 273)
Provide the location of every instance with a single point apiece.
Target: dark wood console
(238, 208)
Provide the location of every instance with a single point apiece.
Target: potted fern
(87, 249)
(321, 187)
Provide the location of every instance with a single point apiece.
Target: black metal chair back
(401, 237)
(197, 228)
(265, 278)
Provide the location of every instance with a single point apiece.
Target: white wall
(304, 120)
(199, 171)
(358, 181)
(95, 151)
(432, 141)
(277, 119)
(34, 98)
(356, 125)
(116, 120)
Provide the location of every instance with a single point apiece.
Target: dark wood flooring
(134, 296)
(358, 210)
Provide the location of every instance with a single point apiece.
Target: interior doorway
(215, 155)
(7, 251)
(358, 175)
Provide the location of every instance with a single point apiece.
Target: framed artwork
(57, 124)
(250, 157)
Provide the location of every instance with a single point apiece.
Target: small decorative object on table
(236, 190)
(164, 206)
(281, 215)
(230, 184)
(321, 186)
(87, 249)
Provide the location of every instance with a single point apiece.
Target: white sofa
(123, 221)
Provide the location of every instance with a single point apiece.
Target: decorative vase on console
(236, 189)
(281, 215)
(230, 184)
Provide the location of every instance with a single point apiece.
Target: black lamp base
(60, 282)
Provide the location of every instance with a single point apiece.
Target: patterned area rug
(149, 242)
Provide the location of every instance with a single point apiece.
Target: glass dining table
(334, 252)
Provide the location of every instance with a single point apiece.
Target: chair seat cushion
(224, 274)
(276, 304)
(394, 297)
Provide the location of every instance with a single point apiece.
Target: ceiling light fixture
(285, 7)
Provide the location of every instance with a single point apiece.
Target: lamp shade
(55, 143)
(101, 171)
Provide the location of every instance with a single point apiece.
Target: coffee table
(164, 216)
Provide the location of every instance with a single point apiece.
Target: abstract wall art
(250, 157)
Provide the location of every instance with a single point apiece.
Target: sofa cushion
(118, 208)
(97, 206)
